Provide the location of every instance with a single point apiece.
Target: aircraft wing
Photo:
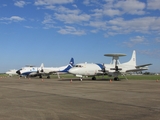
(53, 72)
(48, 73)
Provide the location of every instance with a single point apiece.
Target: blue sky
(53, 31)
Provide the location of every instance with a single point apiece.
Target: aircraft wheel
(116, 79)
(48, 77)
(80, 79)
(93, 78)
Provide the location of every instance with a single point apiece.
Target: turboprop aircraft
(56, 70)
(87, 69)
(11, 72)
(31, 71)
(114, 69)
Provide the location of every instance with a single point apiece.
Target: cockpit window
(78, 66)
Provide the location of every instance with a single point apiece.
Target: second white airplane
(114, 69)
(56, 70)
(11, 72)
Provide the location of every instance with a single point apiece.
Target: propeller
(116, 67)
(103, 68)
(19, 71)
(40, 69)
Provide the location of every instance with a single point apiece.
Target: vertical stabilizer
(132, 61)
(71, 62)
(69, 66)
(40, 69)
(42, 66)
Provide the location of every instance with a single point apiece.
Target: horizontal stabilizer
(139, 66)
(136, 70)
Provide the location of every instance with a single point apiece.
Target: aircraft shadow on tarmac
(99, 79)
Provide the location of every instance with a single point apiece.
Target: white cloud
(106, 9)
(65, 10)
(51, 2)
(12, 19)
(135, 41)
(29, 27)
(97, 13)
(72, 18)
(16, 18)
(50, 7)
(96, 16)
(157, 40)
(20, 3)
(48, 19)
(153, 4)
(141, 25)
(119, 7)
(131, 6)
(74, 5)
(153, 53)
(91, 2)
(4, 5)
(71, 30)
(111, 12)
(86, 2)
(98, 24)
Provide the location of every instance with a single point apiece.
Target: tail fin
(40, 69)
(69, 66)
(71, 62)
(42, 66)
(132, 61)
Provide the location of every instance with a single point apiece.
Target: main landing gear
(116, 79)
(48, 77)
(93, 78)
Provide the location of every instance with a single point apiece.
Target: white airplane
(31, 71)
(56, 70)
(114, 69)
(11, 72)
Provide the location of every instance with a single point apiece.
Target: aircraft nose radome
(18, 72)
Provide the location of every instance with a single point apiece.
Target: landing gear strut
(80, 79)
(40, 76)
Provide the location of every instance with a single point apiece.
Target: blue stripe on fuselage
(100, 65)
(28, 73)
(66, 69)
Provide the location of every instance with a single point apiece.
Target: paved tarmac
(53, 99)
